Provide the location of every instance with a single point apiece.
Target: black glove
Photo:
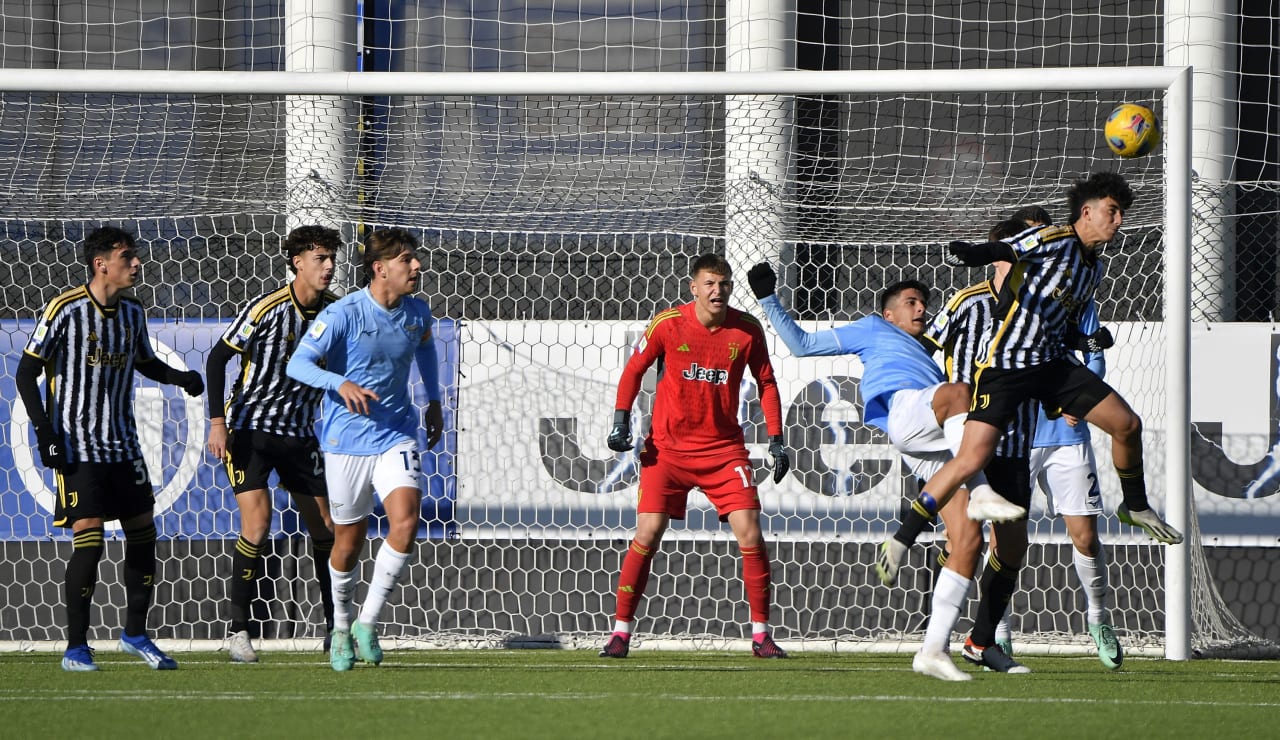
(433, 422)
(620, 434)
(955, 254)
(191, 382)
(781, 463)
(762, 280)
(1096, 342)
(976, 255)
(53, 453)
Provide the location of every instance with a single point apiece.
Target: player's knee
(1086, 543)
(1127, 430)
(403, 532)
(254, 528)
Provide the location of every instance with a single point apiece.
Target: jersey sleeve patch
(317, 329)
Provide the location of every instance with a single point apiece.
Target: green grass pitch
(653, 694)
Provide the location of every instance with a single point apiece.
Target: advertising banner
(538, 399)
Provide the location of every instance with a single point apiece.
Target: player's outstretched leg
(889, 560)
(1150, 521)
(987, 505)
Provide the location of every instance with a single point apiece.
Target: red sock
(756, 581)
(632, 580)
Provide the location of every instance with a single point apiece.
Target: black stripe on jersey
(1047, 285)
(90, 352)
(970, 319)
(265, 398)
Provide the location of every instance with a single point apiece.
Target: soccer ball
(1132, 130)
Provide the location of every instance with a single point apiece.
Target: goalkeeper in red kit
(695, 440)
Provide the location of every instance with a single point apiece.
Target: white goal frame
(1176, 82)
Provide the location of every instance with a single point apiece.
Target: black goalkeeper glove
(620, 434)
(1096, 342)
(53, 453)
(191, 382)
(781, 463)
(763, 280)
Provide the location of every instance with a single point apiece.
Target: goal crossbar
(793, 82)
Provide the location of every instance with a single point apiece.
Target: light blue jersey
(1057, 432)
(892, 360)
(357, 339)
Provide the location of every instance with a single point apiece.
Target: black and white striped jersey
(960, 329)
(1051, 281)
(265, 334)
(89, 353)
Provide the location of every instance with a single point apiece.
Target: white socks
(343, 590)
(387, 567)
(949, 595)
(1093, 579)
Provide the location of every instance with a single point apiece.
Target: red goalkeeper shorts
(726, 478)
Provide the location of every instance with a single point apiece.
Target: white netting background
(554, 228)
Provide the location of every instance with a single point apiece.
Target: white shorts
(1068, 476)
(926, 464)
(354, 479)
(913, 427)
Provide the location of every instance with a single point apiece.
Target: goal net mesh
(553, 228)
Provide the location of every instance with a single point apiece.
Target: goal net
(558, 213)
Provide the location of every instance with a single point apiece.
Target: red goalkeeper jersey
(699, 380)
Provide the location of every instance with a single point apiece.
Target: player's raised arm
(763, 283)
(976, 255)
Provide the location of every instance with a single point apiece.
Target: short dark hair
(1032, 215)
(103, 240)
(306, 238)
(1008, 228)
(1099, 185)
(385, 244)
(712, 263)
(892, 291)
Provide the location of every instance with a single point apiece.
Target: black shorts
(1011, 478)
(106, 491)
(1061, 386)
(252, 455)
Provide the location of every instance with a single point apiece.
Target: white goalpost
(558, 210)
